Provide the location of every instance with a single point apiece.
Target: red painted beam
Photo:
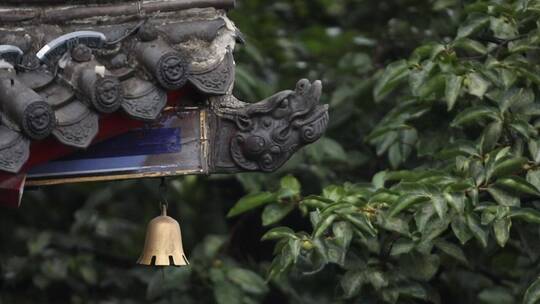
(12, 185)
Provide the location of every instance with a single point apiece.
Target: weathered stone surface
(61, 67)
(264, 135)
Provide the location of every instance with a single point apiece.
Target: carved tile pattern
(38, 120)
(12, 158)
(79, 134)
(218, 80)
(147, 107)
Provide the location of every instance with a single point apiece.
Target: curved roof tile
(59, 87)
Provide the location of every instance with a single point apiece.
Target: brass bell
(163, 245)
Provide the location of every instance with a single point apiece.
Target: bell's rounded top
(163, 221)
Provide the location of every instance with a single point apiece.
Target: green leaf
(473, 114)
(89, 274)
(434, 228)
(533, 177)
(518, 185)
(394, 75)
(420, 75)
(457, 201)
(225, 292)
(250, 202)
(323, 225)
(38, 244)
(423, 215)
(343, 234)
(361, 222)
(516, 96)
(491, 136)
(471, 46)
(407, 201)
(395, 156)
(248, 280)
(453, 89)
(279, 233)
(534, 149)
(479, 233)
(414, 291)
(420, 267)
(501, 228)
(352, 283)
(477, 85)
(211, 245)
(440, 205)
(503, 28)
(504, 198)
(508, 77)
(437, 50)
(424, 52)
(528, 215)
(532, 76)
(328, 150)
(394, 224)
(377, 279)
(296, 246)
(316, 201)
(451, 250)
(274, 213)
(402, 246)
(335, 252)
(334, 193)
(472, 26)
(433, 87)
(509, 166)
(379, 179)
(488, 216)
(532, 295)
(523, 128)
(290, 187)
(496, 295)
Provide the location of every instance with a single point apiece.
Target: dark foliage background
(424, 190)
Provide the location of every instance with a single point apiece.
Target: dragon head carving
(272, 130)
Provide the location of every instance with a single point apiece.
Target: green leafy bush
(456, 212)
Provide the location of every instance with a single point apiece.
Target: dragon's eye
(284, 104)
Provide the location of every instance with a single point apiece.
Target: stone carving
(14, 150)
(57, 95)
(82, 70)
(27, 109)
(36, 79)
(79, 134)
(170, 68)
(77, 125)
(172, 71)
(264, 135)
(143, 100)
(216, 80)
(81, 53)
(39, 120)
(108, 94)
